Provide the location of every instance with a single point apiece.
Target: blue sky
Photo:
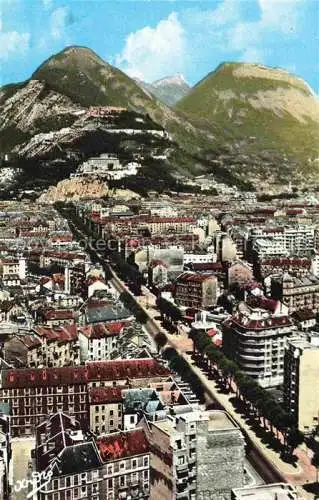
(151, 39)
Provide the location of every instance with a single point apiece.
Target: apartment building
(106, 409)
(82, 467)
(256, 339)
(52, 346)
(291, 240)
(301, 381)
(13, 267)
(34, 393)
(196, 290)
(296, 293)
(55, 317)
(296, 266)
(195, 454)
(99, 340)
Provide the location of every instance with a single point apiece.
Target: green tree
(161, 340)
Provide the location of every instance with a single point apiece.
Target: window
(110, 483)
(134, 463)
(111, 413)
(132, 418)
(145, 462)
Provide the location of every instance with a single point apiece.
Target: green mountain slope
(78, 78)
(244, 123)
(80, 74)
(260, 111)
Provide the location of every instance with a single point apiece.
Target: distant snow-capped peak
(177, 79)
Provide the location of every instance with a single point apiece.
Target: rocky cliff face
(80, 189)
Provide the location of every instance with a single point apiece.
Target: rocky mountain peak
(177, 79)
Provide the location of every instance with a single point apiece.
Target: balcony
(181, 467)
(192, 473)
(182, 494)
(259, 358)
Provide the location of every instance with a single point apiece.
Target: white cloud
(253, 55)
(225, 13)
(47, 4)
(58, 22)
(12, 42)
(278, 17)
(150, 53)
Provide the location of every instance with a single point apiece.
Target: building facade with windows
(301, 382)
(81, 467)
(197, 454)
(33, 394)
(197, 290)
(256, 339)
(296, 293)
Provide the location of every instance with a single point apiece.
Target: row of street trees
(170, 313)
(130, 273)
(178, 364)
(257, 402)
(135, 308)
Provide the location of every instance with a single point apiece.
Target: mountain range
(169, 90)
(245, 123)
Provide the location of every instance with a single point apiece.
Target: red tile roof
(207, 266)
(60, 334)
(52, 314)
(30, 341)
(190, 277)
(247, 323)
(122, 445)
(100, 395)
(102, 330)
(263, 303)
(100, 370)
(286, 261)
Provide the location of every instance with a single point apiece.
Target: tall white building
(257, 339)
